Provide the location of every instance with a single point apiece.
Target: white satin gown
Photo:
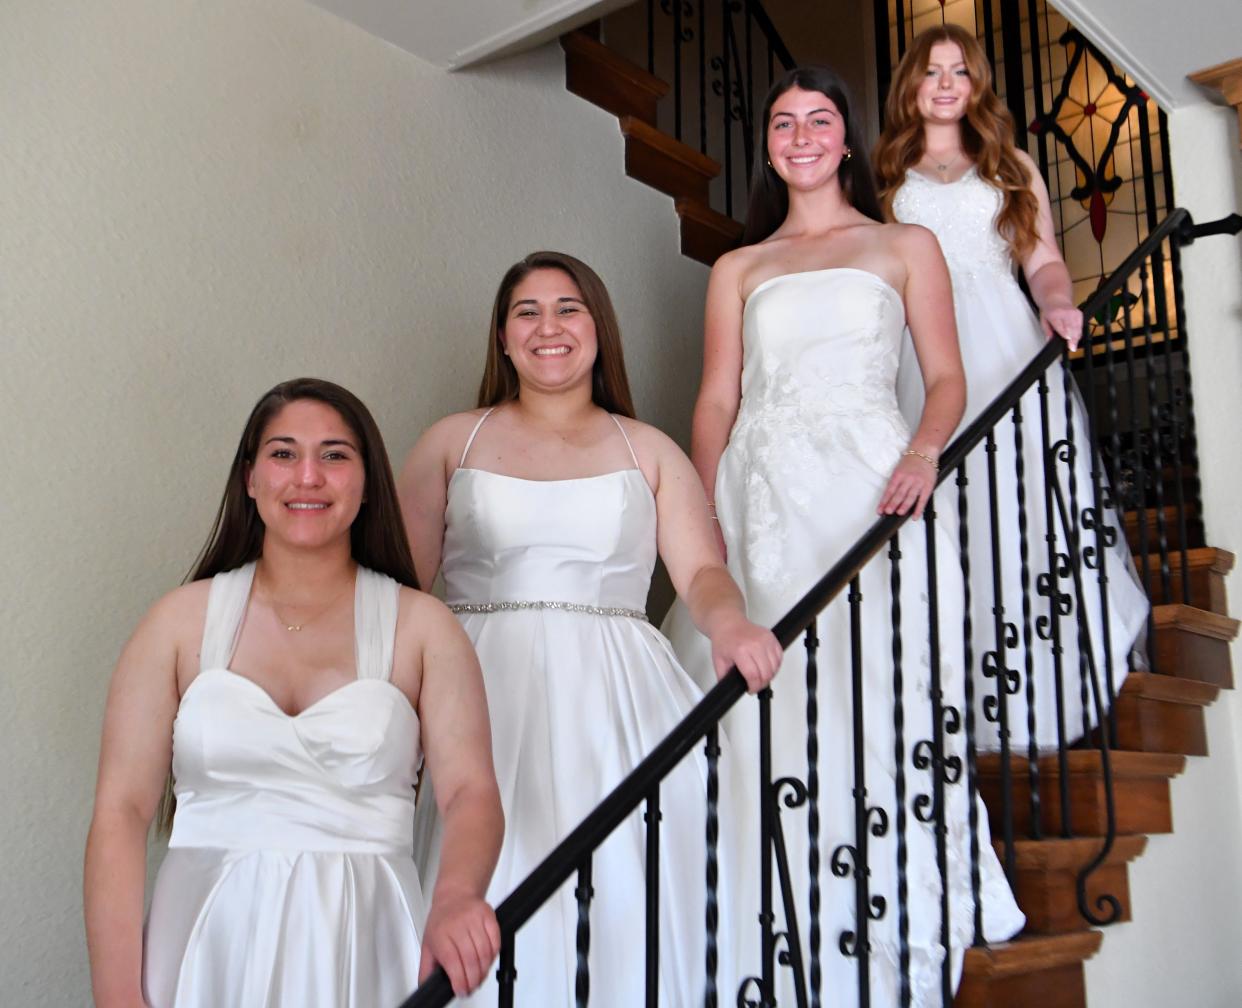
(289, 880)
(550, 580)
(817, 436)
(999, 335)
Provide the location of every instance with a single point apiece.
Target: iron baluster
(1140, 463)
(791, 954)
(712, 912)
(1072, 536)
(767, 918)
(651, 36)
(899, 777)
(812, 819)
(583, 894)
(703, 76)
(677, 43)
(726, 31)
(857, 943)
(652, 818)
(968, 663)
(506, 972)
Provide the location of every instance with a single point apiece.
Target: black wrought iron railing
(719, 57)
(967, 699)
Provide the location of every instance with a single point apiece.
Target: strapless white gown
(550, 581)
(289, 880)
(817, 436)
(999, 335)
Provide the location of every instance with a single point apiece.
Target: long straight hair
(377, 536)
(987, 136)
(769, 196)
(610, 388)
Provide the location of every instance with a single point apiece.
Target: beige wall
(1186, 890)
(196, 201)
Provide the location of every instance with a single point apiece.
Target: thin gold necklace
(943, 168)
(297, 627)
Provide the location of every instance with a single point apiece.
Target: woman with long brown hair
(800, 442)
(291, 687)
(947, 161)
(544, 509)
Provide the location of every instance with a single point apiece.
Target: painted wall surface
(1186, 890)
(198, 200)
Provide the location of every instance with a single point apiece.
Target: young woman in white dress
(291, 687)
(800, 443)
(947, 161)
(544, 510)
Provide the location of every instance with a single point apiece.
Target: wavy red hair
(987, 136)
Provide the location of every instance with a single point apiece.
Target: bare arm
(928, 297)
(423, 491)
(720, 391)
(461, 933)
(1045, 270)
(133, 764)
(686, 543)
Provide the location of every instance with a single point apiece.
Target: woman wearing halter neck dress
(292, 686)
(947, 160)
(544, 510)
(799, 440)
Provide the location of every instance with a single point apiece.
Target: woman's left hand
(461, 935)
(910, 486)
(752, 648)
(1065, 322)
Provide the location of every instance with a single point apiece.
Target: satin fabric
(576, 701)
(999, 335)
(816, 438)
(289, 879)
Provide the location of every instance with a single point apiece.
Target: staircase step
(1046, 880)
(1154, 520)
(664, 163)
(1206, 570)
(609, 80)
(1193, 643)
(1045, 971)
(1140, 791)
(705, 234)
(1161, 713)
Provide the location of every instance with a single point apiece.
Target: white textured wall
(1182, 947)
(198, 200)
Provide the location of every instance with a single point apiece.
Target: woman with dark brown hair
(947, 161)
(544, 509)
(291, 687)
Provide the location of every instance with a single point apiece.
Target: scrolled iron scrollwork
(796, 792)
(750, 993)
(878, 819)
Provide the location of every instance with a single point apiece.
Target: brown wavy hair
(987, 136)
(610, 388)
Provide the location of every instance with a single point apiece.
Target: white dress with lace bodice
(289, 880)
(817, 436)
(999, 335)
(550, 580)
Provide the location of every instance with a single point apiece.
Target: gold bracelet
(926, 458)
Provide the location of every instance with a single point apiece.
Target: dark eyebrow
(532, 301)
(333, 442)
(811, 113)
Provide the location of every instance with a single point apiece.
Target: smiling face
(944, 93)
(805, 138)
(307, 478)
(548, 332)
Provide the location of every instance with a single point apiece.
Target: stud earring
(848, 154)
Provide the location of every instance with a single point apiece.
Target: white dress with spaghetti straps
(549, 579)
(289, 880)
(999, 335)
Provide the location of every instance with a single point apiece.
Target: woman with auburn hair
(291, 687)
(947, 161)
(799, 439)
(544, 509)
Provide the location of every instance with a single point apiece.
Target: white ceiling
(1159, 43)
(457, 33)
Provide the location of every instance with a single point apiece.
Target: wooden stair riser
(1050, 898)
(654, 166)
(1162, 520)
(705, 234)
(1190, 646)
(596, 73)
(1204, 579)
(1148, 725)
(1056, 987)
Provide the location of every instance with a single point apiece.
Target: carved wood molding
(1226, 80)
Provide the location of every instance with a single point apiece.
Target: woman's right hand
(463, 937)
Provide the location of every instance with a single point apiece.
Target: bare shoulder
(421, 615)
(1027, 162)
(185, 607)
(648, 441)
(451, 429)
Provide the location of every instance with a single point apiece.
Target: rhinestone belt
(594, 610)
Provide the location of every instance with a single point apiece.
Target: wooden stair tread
(701, 213)
(1071, 853)
(1030, 954)
(1087, 761)
(1219, 561)
(633, 128)
(1200, 621)
(1168, 689)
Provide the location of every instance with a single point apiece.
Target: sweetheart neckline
(279, 709)
(825, 269)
